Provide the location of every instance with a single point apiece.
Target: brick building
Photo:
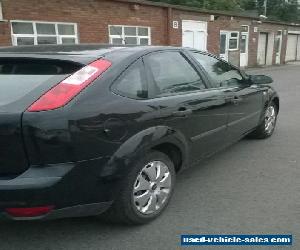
(240, 39)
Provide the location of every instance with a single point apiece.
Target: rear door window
(132, 83)
(172, 73)
(20, 77)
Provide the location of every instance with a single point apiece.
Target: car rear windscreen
(18, 77)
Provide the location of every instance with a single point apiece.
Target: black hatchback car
(86, 129)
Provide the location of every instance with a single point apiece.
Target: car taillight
(66, 90)
(29, 211)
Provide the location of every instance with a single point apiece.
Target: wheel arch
(173, 152)
(159, 138)
(276, 102)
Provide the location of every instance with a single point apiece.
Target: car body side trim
(244, 118)
(213, 131)
(210, 132)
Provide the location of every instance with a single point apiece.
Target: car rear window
(20, 77)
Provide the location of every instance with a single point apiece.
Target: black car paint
(100, 134)
(11, 141)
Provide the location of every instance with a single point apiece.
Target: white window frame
(1, 11)
(234, 38)
(123, 36)
(35, 35)
(247, 26)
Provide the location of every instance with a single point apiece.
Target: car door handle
(236, 100)
(182, 112)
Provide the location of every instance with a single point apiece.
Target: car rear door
(244, 101)
(186, 102)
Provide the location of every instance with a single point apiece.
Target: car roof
(82, 53)
(76, 49)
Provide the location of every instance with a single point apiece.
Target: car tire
(144, 192)
(267, 126)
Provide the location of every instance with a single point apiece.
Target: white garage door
(262, 49)
(194, 34)
(291, 49)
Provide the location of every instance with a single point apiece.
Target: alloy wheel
(270, 119)
(152, 188)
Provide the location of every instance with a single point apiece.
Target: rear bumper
(73, 189)
(67, 212)
(37, 177)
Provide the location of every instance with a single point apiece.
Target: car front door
(244, 101)
(186, 102)
(244, 110)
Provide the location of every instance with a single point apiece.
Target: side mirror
(260, 79)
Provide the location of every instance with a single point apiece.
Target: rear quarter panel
(96, 124)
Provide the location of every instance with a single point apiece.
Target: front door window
(172, 74)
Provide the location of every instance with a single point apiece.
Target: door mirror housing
(260, 79)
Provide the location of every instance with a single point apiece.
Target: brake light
(65, 91)
(28, 211)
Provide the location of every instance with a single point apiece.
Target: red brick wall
(92, 17)
(222, 23)
(214, 27)
(253, 45)
(5, 34)
(273, 29)
(178, 15)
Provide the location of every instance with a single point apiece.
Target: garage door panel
(194, 25)
(194, 34)
(200, 36)
(188, 38)
(261, 52)
(291, 49)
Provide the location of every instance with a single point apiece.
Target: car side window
(132, 82)
(221, 73)
(172, 73)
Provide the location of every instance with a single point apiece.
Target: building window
(234, 40)
(34, 33)
(132, 35)
(245, 28)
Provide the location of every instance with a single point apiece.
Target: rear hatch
(23, 81)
